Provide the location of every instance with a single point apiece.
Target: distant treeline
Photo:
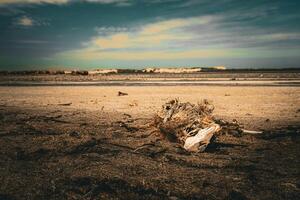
(58, 72)
(136, 71)
(44, 72)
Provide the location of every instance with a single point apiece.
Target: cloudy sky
(39, 34)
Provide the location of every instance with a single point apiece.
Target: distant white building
(172, 70)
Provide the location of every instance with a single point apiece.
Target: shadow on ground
(67, 154)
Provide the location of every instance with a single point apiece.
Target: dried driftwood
(192, 125)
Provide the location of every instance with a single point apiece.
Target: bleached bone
(251, 132)
(200, 141)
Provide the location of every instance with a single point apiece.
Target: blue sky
(40, 34)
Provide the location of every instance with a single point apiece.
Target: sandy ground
(249, 105)
(80, 143)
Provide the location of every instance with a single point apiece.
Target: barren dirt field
(82, 142)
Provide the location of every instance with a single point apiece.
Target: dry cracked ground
(57, 150)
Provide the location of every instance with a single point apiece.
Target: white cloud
(110, 29)
(151, 41)
(182, 38)
(92, 54)
(25, 21)
(154, 35)
(279, 36)
(176, 24)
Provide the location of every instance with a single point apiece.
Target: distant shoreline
(285, 83)
(104, 71)
(224, 78)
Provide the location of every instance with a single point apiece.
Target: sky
(87, 34)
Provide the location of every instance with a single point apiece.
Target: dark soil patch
(55, 157)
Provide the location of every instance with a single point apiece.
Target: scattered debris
(122, 93)
(133, 104)
(75, 134)
(193, 125)
(64, 104)
(127, 127)
(143, 146)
